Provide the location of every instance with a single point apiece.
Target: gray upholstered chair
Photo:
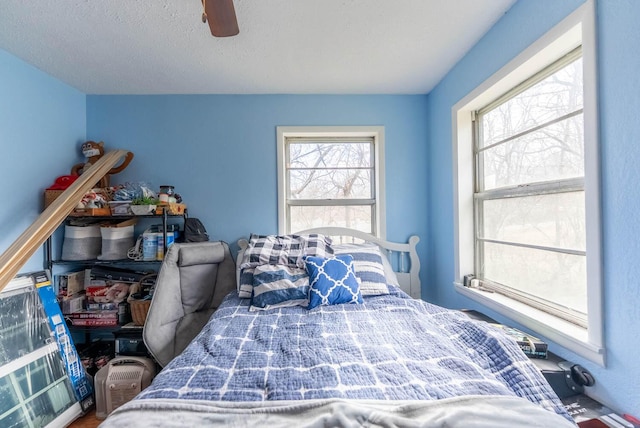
(193, 280)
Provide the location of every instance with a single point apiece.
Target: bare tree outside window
(331, 183)
(530, 206)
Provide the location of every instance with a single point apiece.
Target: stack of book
(532, 346)
(100, 318)
(103, 291)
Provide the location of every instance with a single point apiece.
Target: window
(526, 171)
(530, 236)
(330, 176)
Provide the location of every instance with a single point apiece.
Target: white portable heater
(121, 380)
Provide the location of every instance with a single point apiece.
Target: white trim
(463, 207)
(595, 285)
(578, 28)
(377, 132)
(32, 356)
(409, 281)
(19, 282)
(571, 336)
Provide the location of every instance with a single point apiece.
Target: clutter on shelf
(120, 200)
(105, 296)
(151, 243)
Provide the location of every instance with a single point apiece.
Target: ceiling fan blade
(221, 16)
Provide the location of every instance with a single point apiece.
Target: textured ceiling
(284, 46)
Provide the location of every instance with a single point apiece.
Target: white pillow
(369, 267)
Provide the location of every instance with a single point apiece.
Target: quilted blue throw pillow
(277, 286)
(332, 281)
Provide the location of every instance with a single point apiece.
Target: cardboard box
(112, 273)
(72, 304)
(102, 306)
(95, 315)
(91, 212)
(120, 208)
(50, 196)
(72, 283)
(92, 322)
(81, 383)
(94, 318)
(171, 208)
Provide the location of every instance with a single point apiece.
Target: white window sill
(570, 336)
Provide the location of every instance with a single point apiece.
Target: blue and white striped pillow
(367, 262)
(286, 250)
(278, 286)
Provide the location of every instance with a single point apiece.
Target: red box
(94, 318)
(88, 322)
(95, 315)
(96, 293)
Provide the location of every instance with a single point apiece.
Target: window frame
(557, 186)
(284, 133)
(576, 29)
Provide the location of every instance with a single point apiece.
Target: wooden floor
(87, 421)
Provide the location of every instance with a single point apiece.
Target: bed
(371, 355)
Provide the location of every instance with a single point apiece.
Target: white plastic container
(160, 246)
(120, 207)
(143, 209)
(149, 246)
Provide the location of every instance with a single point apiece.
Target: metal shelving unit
(49, 260)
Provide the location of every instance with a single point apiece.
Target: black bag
(194, 230)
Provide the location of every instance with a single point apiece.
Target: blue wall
(42, 121)
(219, 151)
(619, 104)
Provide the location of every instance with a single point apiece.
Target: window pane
(555, 277)
(330, 184)
(330, 155)
(46, 407)
(553, 97)
(556, 220)
(17, 419)
(552, 153)
(353, 216)
(39, 374)
(9, 397)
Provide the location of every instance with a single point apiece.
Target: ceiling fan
(221, 16)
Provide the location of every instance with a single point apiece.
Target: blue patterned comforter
(391, 347)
